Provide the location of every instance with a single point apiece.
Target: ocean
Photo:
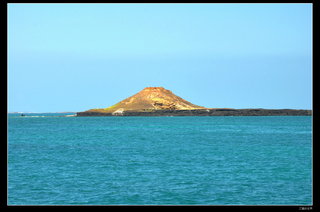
(240, 160)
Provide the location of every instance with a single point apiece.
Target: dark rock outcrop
(206, 112)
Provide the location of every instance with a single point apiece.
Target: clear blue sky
(74, 57)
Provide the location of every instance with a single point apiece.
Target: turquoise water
(159, 160)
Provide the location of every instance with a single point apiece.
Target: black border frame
(315, 145)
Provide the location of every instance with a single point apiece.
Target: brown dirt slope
(151, 98)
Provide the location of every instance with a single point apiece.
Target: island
(158, 101)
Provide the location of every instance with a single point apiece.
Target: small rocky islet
(158, 101)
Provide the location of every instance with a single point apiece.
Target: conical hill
(151, 98)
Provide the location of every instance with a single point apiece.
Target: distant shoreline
(206, 112)
(36, 112)
(197, 112)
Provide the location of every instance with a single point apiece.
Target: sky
(75, 57)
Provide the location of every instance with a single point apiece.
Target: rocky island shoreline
(206, 112)
(158, 101)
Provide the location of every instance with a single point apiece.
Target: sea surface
(252, 160)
